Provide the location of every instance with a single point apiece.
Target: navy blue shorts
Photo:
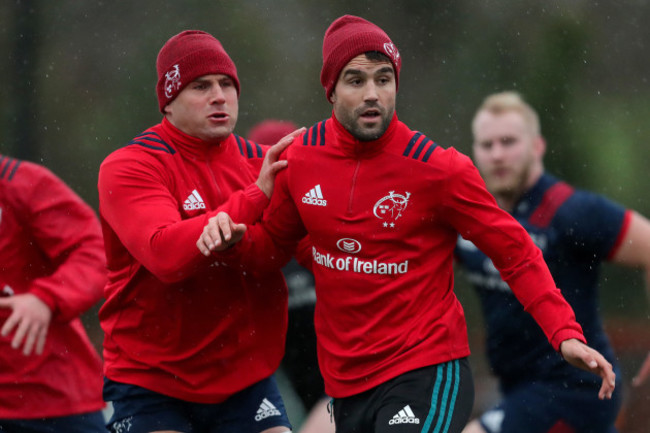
(138, 410)
(554, 406)
(435, 399)
(92, 422)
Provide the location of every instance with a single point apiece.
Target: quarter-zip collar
(356, 148)
(190, 145)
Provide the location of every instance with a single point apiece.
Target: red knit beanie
(187, 56)
(270, 131)
(346, 38)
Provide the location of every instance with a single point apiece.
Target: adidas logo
(404, 416)
(315, 197)
(266, 410)
(194, 201)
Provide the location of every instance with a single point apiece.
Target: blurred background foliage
(78, 81)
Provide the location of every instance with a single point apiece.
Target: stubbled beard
(350, 122)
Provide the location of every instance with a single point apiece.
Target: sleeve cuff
(46, 298)
(566, 334)
(257, 198)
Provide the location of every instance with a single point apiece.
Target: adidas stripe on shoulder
(8, 167)
(151, 140)
(422, 145)
(246, 148)
(315, 135)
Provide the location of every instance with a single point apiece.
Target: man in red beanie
(191, 344)
(383, 206)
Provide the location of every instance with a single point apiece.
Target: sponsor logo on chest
(355, 264)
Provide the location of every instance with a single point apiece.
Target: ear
(540, 146)
(332, 97)
(166, 110)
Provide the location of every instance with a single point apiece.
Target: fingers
(609, 382)
(31, 335)
(271, 166)
(9, 324)
(583, 356)
(21, 331)
(600, 366)
(284, 142)
(26, 332)
(238, 231)
(278, 166)
(219, 234)
(40, 340)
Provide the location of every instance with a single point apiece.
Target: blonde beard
(508, 194)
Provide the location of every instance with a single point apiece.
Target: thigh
(139, 410)
(254, 409)
(92, 422)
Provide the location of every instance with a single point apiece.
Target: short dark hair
(377, 56)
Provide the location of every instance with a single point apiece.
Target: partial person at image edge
(52, 269)
(576, 231)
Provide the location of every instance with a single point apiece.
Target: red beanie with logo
(187, 56)
(270, 131)
(346, 38)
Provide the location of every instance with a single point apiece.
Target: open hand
(582, 356)
(30, 319)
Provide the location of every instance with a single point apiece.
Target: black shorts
(434, 399)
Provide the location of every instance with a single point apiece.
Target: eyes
(358, 81)
(505, 141)
(224, 83)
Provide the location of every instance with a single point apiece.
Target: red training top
(176, 322)
(51, 247)
(383, 218)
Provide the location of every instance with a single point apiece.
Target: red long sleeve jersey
(176, 322)
(51, 247)
(383, 218)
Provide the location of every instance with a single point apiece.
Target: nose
(496, 150)
(370, 93)
(217, 95)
